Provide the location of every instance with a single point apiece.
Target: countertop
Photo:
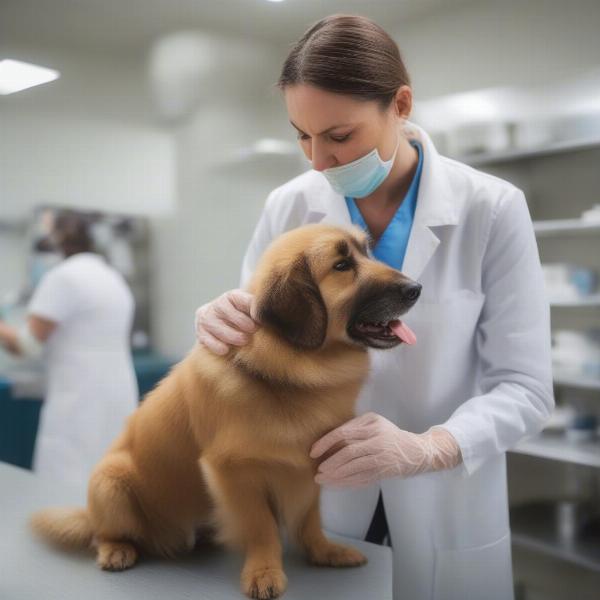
(32, 570)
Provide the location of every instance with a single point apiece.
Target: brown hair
(347, 54)
(72, 230)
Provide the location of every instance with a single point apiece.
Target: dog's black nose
(412, 291)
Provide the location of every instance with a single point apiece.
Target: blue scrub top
(392, 244)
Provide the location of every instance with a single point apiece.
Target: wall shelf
(556, 447)
(576, 381)
(533, 528)
(564, 226)
(536, 531)
(488, 158)
(591, 300)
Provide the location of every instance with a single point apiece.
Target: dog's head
(317, 284)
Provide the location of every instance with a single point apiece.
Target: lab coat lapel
(422, 244)
(435, 207)
(329, 208)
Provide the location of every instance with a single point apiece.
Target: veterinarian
(426, 459)
(79, 321)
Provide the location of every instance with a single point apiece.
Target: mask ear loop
(398, 136)
(395, 149)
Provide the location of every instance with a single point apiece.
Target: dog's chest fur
(258, 420)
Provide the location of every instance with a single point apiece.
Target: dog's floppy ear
(292, 305)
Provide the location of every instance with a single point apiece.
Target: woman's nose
(320, 158)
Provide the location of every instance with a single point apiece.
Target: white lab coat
(91, 384)
(481, 367)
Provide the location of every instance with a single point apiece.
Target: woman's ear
(291, 304)
(404, 102)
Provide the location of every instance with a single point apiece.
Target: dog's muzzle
(374, 318)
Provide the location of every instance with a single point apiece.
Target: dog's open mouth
(375, 315)
(383, 333)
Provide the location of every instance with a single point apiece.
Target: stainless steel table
(32, 570)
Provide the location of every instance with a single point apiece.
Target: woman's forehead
(314, 110)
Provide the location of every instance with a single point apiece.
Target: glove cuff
(443, 449)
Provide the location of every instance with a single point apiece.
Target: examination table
(32, 570)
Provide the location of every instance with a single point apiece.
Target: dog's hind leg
(115, 513)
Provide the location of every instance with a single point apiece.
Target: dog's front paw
(264, 582)
(116, 556)
(335, 555)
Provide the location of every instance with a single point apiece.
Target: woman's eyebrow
(326, 130)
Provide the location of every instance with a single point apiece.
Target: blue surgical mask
(362, 176)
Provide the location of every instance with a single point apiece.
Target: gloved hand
(226, 321)
(374, 448)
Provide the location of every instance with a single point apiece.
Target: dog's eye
(343, 265)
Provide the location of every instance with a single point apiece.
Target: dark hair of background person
(71, 231)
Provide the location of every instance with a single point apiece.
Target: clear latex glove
(373, 448)
(226, 321)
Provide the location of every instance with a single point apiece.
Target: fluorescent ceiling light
(16, 76)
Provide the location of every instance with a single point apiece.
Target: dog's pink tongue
(403, 331)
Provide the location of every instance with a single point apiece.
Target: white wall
(88, 140)
(199, 249)
(493, 43)
(83, 161)
(198, 252)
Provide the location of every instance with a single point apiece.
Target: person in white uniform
(435, 418)
(79, 322)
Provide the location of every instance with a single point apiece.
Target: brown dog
(225, 440)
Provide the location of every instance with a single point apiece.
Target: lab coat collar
(436, 206)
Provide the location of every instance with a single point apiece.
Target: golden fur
(224, 441)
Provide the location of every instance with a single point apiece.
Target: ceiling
(131, 25)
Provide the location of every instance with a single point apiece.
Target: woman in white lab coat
(479, 376)
(79, 322)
